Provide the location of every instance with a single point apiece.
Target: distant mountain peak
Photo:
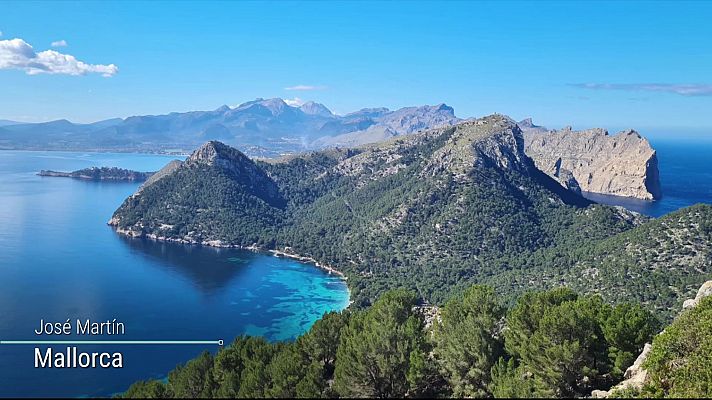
(275, 105)
(262, 127)
(372, 111)
(527, 123)
(444, 107)
(314, 108)
(249, 103)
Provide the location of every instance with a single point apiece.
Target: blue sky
(636, 64)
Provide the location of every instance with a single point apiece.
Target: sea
(59, 261)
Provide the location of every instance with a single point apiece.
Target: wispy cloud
(681, 89)
(59, 43)
(305, 87)
(18, 54)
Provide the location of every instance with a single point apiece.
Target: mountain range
(591, 160)
(260, 128)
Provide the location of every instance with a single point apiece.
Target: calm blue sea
(59, 260)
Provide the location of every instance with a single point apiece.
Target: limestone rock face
(623, 164)
(704, 291)
(490, 141)
(568, 180)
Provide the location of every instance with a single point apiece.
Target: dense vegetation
(680, 361)
(435, 213)
(101, 174)
(553, 343)
(659, 263)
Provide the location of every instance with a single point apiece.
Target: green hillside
(432, 212)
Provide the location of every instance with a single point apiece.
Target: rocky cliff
(623, 164)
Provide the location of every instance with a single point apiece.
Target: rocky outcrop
(635, 376)
(239, 166)
(623, 164)
(489, 141)
(704, 291)
(568, 180)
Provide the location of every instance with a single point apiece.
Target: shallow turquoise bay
(60, 260)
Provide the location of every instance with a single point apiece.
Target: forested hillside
(555, 344)
(432, 212)
(659, 263)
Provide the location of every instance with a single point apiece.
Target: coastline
(286, 252)
(178, 153)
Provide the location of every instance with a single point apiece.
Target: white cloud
(59, 43)
(295, 102)
(18, 54)
(305, 87)
(681, 89)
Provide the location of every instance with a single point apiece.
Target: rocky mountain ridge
(434, 211)
(268, 128)
(238, 166)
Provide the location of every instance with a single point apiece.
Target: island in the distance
(101, 174)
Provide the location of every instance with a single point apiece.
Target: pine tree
(466, 340)
(374, 355)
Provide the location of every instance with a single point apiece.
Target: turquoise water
(59, 260)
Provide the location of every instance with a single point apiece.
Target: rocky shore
(286, 252)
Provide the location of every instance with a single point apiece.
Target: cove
(60, 260)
